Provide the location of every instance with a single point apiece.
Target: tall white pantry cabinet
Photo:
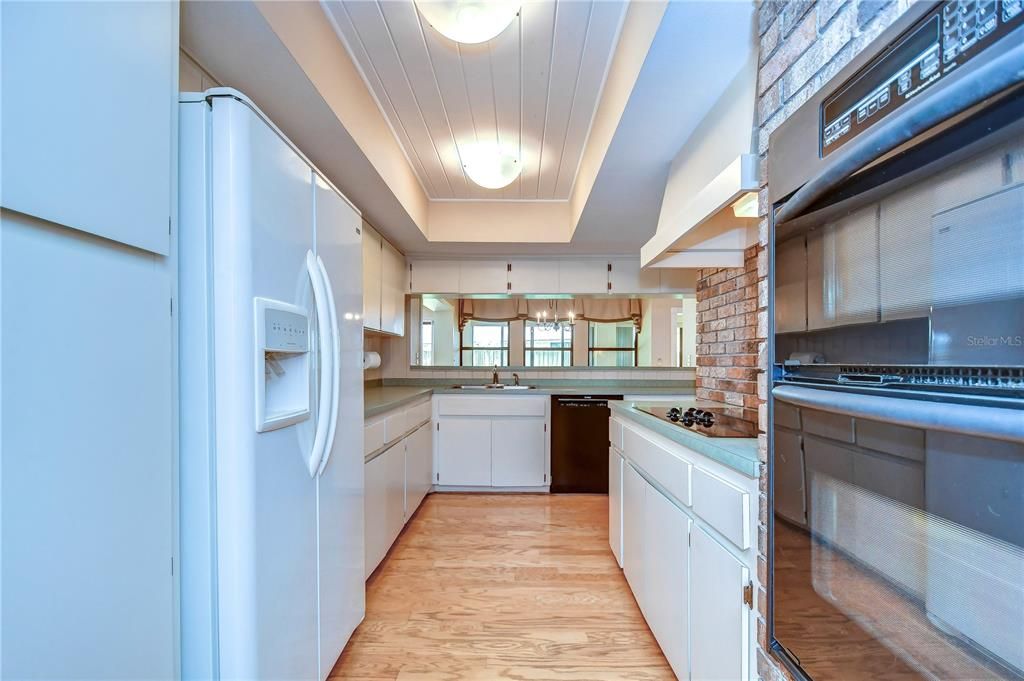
(87, 280)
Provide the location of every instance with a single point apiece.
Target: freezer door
(340, 484)
(262, 202)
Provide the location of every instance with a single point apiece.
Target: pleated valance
(584, 309)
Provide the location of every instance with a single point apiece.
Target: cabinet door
(375, 512)
(626, 276)
(464, 451)
(721, 631)
(434, 276)
(394, 463)
(791, 286)
(583, 276)
(615, 504)
(842, 271)
(419, 466)
(634, 489)
(667, 577)
(483, 276)
(905, 249)
(518, 452)
(534, 276)
(372, 272)
(100, 163)
(393, 285)
(789, 500)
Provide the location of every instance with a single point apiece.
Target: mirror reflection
(566, 332)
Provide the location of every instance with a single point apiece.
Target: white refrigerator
(271, 401)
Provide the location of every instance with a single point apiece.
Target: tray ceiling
(536, 86)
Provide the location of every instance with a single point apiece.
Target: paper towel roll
(371, 360)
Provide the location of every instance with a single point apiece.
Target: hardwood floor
(487, 587)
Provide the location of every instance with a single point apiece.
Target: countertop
(381, 399)
(739, 454)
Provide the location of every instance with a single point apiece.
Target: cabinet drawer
(394, 426)
(615, 434)
(723, 505)
(662, 466)
(417, 414)
(488, 405)
(373, 436)
(826, 424)
(787, 415)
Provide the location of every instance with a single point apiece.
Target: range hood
(709, 212)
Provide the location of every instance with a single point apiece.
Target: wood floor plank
(489, 587)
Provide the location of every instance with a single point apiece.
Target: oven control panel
(944, 39)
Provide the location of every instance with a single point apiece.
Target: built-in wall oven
(897, 382)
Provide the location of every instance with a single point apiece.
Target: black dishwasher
(579, 443)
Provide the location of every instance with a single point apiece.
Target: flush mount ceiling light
(468, 21)
(745, 206)
(489, 164)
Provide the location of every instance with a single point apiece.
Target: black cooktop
(707, 419)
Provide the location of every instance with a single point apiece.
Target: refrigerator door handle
(335, 365)
(325, 348)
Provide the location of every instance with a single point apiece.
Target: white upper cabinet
(483, 276)
(533, 276)
(394, 283)
(101, 160)
(372, 277)
(385, 282)
(626, 276)
(583, 276)
(435, 276)
(842, 271)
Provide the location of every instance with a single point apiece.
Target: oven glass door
(898, 551)
(898, 414)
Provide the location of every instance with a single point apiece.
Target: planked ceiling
(535, 86)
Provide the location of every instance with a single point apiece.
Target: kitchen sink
(494, 386)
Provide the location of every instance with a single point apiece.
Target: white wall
(725, 132)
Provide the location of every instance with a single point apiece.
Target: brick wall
(803, 44)
(727, 334)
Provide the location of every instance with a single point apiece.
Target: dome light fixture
(469, 21)
(490, 165)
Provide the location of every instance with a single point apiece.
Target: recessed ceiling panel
(534, 87)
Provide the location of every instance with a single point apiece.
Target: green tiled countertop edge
(739, 454)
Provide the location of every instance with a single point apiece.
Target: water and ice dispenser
(282, 364)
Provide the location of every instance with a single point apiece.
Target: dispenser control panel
(285, 331)
(948, 36)
(282, 364)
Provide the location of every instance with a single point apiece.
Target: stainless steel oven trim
(988, 422)
(963, 90)
(795, 158)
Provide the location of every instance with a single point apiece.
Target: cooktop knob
(674, 413)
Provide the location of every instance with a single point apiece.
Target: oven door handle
(996, 423)
(917, 116)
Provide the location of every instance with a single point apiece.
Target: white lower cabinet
(615, 504)
(720, 635)
(419, 467)
(464, 451)
(667, 577)
(634, 491)
(499, 442)
(686, 556)
(384, 503)
(397, 478)
(517, 452)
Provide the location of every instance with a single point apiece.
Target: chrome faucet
(494, 376)
(515, 379)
